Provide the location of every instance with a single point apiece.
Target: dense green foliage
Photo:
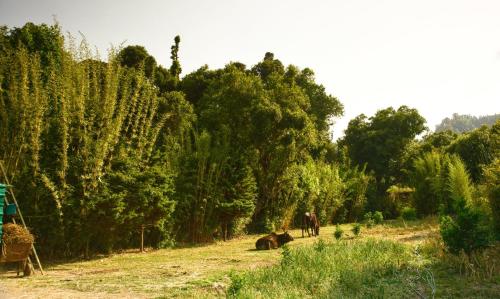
(429, 180)
(98, 149)
(468, 229)
(477, 149)
(379, 142)
(491, 188)
(409, 213)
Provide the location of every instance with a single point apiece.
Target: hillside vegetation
(464, 123)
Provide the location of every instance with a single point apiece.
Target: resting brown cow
(273, 241)
(310, 221)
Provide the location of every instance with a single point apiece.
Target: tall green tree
(477, 149)
(379, 142)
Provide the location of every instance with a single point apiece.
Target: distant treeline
(98, 148)
(464, 123)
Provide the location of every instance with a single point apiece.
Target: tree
(137, 57)
(132, 195)
(476, 149)
(266, 116)
(47, 41)
(380, 142)
(175, 68)
(239, 194)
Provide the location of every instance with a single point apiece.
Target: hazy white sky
(437, 56)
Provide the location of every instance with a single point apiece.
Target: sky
(440, 57)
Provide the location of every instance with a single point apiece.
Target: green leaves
(468, 229)
(379, 143)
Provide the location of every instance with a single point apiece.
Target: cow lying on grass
(309, 220)
(273, 241)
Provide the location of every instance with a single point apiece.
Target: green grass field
(395, 259)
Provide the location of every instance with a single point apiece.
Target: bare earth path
(201, 271)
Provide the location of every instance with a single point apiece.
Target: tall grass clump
(428, 179)
(338, 232)
(372, 268)
(356, 229)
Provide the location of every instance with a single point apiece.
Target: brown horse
(273, 241)
(309, 220)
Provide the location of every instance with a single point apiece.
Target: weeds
(356, 229)
(338, 232)
(336, 269)
(483, 265)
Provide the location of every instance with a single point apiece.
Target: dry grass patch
(198, 271)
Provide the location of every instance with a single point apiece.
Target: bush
(368, 219)
(356, 229)
(469, 230)
(237, 282)
(378, 217)
(370, 223)
(338, 232)
(409, 213)
(368, 216)
(320, 245)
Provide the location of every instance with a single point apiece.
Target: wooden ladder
(11, 192)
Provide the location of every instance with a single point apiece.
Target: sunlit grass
(205, 271)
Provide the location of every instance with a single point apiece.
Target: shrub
(409, 213)
(368, 216)
(378, 217)
(237, 282)
(370, 223)
(338, 232)
(356, 229)
(469, 230)
(459, 185)
(320, 245)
